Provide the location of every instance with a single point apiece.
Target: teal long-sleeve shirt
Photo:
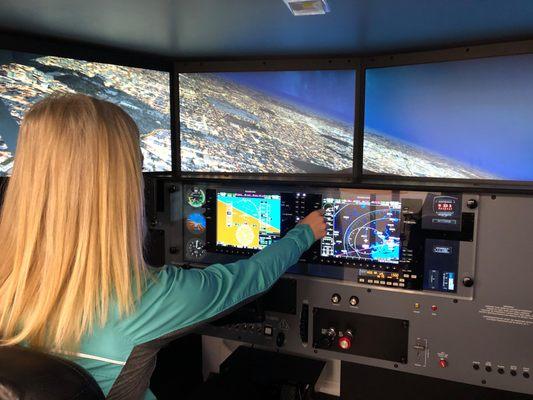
(177, 299)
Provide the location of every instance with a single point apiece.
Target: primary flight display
(267, 122)
(144, 94)
(247, 220)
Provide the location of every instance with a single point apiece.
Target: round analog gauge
(196, 197)
(195, 249)
(196, 223)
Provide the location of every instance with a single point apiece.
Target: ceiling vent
(307, 7)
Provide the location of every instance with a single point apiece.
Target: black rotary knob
(472, 204)
(468, 281)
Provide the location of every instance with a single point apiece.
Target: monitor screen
(144, 94)
(284, 122)
(362, 229)
(248, 220)
(467, 119)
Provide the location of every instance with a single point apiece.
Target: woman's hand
(316, 222)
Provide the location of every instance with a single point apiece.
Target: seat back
(31, 375)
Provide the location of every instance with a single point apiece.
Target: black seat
(31, 375)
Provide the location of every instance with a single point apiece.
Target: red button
(443, 363)
(434, 308)
(345, 342)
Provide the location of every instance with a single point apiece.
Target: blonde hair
(71, 226)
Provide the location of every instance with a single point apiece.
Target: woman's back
(72, 276)
(174, 303)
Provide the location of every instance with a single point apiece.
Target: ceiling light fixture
(307, 7)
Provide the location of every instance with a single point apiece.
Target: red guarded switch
(443, 363)
(345, 342)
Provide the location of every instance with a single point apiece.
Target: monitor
(143, 93)
(277, 122)
(247, 220)
(468, 119)
(362, 229)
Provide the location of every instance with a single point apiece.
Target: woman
(72, 276)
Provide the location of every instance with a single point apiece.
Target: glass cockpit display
(144, 94)
(281, 122)
(468, 119)
(247, 220)
(362, 229)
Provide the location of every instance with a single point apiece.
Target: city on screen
(267, 122)
(144, 94)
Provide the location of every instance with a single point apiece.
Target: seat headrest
(27, 374)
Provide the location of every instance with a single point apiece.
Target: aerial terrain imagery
(143, 94)
(267, 122)
(468, 119)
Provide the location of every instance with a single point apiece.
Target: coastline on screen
(248, 220)
(362, 229)
(267, 122)
(467, 119)
(144, 94)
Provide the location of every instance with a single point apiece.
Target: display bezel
(49, 46)
(463, 53)
(260, 65)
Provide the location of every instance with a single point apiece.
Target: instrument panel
(402, 240)
(459, 314)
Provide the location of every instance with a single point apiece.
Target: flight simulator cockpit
(420, 162)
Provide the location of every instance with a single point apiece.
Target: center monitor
(362, 229)
(247, 220)
(273, 122)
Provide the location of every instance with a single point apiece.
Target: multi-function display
(362, 229)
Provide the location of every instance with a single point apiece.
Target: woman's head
(71, 227)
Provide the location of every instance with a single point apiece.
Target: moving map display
(247, 220)
(144, 94)
(362, 229)
(467, 119)
(267, 121)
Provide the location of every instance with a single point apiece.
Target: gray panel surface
(489, 324)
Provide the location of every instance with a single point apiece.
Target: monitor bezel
(259, 65)
(51, 46)
(462, 53)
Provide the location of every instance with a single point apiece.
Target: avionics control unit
(401, 240)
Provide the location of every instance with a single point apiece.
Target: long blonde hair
(71, 226)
